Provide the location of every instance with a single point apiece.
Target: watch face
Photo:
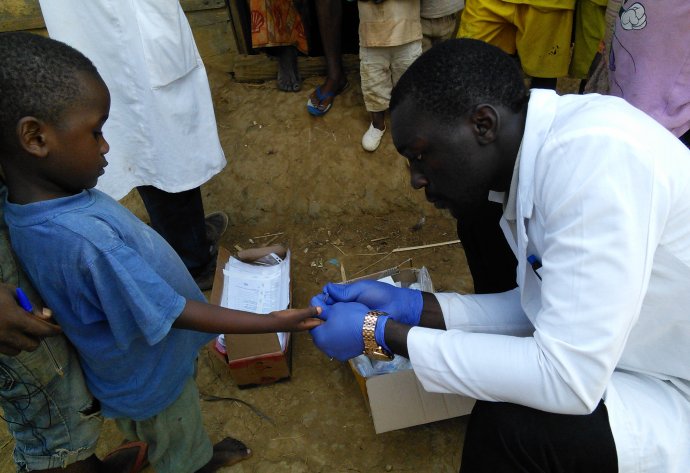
(379, 357)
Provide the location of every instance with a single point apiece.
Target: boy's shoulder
(90, 218)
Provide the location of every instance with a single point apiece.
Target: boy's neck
(29, 189)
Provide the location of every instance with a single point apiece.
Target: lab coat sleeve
(499, 313)
(601, 214)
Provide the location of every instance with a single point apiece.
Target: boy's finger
(311, 323)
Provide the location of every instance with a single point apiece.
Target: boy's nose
(105, 147)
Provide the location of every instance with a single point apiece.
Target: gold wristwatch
(372, 349)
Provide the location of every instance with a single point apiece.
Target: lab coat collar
(540, 115)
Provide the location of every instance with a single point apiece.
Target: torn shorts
(54, 419)
(176, 436)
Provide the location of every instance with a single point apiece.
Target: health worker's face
(447, 161)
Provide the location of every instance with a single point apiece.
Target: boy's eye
(97, 134)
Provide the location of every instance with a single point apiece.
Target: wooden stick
(272, 239)
(379, 239)
(336, 247)
(372, 264)
(342, 272)
(269, 235)
(410, 248)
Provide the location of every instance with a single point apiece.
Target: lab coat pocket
(167, 41)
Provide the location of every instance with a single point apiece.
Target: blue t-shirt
(116, 287)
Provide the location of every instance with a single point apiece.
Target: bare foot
(289, 79)
(225, 453)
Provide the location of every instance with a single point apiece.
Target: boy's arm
(210, 318)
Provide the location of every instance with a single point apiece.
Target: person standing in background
(649, 63)
(163, 134)
(439, 20)
(390, 39)
(538, 32)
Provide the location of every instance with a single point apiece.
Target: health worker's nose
(417, 179)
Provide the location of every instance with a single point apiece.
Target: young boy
(120, 293)
(390, 39)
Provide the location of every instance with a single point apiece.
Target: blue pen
(536, 265)
(25, 304)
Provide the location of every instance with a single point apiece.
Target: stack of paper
(261, 287)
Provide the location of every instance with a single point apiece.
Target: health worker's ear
(31, 136)
(486, 121)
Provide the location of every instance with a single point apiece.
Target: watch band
(371, 347)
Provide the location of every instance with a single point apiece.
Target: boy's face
(77, 148)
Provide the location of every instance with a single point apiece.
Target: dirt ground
(334, 204)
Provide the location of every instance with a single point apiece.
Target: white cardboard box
(398, 400)
(252, 359)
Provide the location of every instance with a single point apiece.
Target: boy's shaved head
(457, 74)
(39, 78)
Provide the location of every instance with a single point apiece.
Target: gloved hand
(340, 336)
(401, 304)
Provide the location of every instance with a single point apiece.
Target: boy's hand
(297, 320)
(19, 330)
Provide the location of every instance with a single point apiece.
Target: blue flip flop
(316, 111)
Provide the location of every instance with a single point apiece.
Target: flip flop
(141, 460)
(314, 109)
(238, 448)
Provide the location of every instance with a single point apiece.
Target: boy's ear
(31, 136)
(486, 122)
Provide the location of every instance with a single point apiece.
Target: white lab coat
(162, 129)
(603, 200)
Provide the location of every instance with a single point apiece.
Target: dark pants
(503, 437)
(685, 138)
(489, 257)
(179, 218)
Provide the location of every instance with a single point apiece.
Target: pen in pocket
(25, 304)
(535, 264)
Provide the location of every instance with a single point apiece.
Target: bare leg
(288, 74)
(330, 17)
(225, 453)
(379, 120)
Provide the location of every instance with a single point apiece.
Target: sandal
(140, 462)
(314, 109)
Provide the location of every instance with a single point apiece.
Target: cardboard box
(252, 359)
(398, 400)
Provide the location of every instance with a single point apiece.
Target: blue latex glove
(402, 304)
(340, 336)
(380, 332)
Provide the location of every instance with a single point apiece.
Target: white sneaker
(372, 138)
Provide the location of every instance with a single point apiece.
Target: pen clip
(535, 264)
